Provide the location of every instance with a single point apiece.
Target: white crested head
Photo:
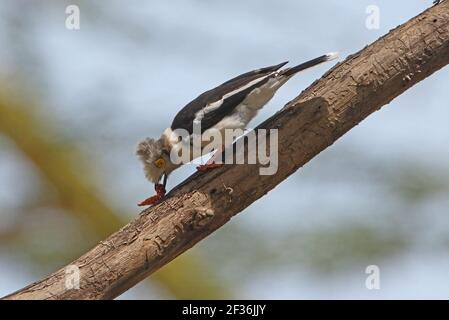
(151, 153)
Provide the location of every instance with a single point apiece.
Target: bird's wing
(213, 105)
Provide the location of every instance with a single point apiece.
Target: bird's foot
(160, 193)
(211, 163)
(208, 166)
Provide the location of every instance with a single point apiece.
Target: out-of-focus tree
(67, 189)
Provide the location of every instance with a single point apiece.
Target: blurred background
(74, 104)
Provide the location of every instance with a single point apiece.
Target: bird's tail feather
(308, 64)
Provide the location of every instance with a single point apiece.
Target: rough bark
(321, 114)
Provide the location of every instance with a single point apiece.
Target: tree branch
(330, 107)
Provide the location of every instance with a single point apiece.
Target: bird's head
(155, 158)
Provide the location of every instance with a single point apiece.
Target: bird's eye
(160, 163)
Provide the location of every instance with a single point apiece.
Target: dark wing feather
(229, 104)
(184, 119)
(258, 72)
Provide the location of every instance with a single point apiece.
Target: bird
(231, 105)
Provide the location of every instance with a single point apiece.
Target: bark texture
(321, 114)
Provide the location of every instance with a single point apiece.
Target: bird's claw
(160, 193)
(208, 166)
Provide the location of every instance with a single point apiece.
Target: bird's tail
(308, 64)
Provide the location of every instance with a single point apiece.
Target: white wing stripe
(215, 105)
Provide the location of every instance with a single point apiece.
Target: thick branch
(331, 106)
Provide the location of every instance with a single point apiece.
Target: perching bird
(231, 105)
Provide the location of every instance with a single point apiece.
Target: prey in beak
(157, 167)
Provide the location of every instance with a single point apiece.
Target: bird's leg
(211, 164)
(160, 193)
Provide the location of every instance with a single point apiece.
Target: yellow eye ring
(160, 163)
